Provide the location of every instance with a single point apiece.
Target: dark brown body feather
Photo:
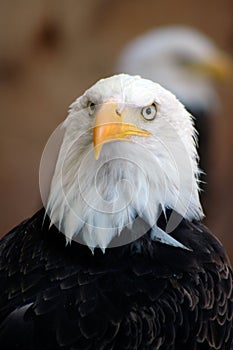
(54, 296)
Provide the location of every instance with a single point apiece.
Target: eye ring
(91, 107)
(149, 112)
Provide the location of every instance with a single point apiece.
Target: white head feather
(94, 200)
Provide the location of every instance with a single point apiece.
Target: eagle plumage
(57, 297)
(161, 290)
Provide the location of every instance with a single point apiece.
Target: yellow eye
(149, 112)
(91, 107)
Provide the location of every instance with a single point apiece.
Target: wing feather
(159, 297)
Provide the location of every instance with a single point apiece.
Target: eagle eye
(149, 112)
(91, 107)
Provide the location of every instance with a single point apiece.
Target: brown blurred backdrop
(52, 50)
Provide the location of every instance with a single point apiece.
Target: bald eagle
(188, 63)
(118, 258)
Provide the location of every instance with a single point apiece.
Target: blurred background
(53, 50)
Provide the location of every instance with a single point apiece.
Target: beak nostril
(118, 112)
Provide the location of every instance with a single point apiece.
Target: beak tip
(97, 150)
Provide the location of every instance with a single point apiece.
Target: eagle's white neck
(92, 201)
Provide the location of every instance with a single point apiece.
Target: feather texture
(55, 296)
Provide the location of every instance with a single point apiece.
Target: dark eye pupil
(92, 106)
(149, 112)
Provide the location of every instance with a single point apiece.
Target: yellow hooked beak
(220, 68)
(109, 127)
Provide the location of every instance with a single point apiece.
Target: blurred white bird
(187, 63)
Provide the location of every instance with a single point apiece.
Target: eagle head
(128, 152)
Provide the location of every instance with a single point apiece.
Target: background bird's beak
(109, 127)
(219, 68)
